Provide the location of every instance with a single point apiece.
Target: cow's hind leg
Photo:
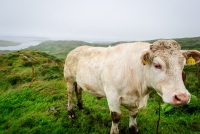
(70, 90)
(132, 122)
(78, 91)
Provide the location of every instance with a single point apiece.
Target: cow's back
(78, 57)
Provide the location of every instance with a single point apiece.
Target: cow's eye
(157, 66)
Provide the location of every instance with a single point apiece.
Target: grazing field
(33, 99)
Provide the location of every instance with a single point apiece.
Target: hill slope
(58, 48)
(189, 43)
(61, 48)
(186, 43)
(16, 67)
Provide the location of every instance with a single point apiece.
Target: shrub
(50, 72)
(14, 80)
(27, 64)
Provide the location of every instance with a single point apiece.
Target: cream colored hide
(126, 74)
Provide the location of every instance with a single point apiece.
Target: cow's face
(165, 66)
(166, 77)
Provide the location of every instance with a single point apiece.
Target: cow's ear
(192, 56)
(145, 58)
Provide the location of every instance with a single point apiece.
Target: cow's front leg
(115, 112)
(115, 119)
(70, 91)
(132, 122)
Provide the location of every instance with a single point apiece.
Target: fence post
(198, 74)
(198, 71)
(32, 76)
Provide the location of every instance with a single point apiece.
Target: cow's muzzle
(180, 99)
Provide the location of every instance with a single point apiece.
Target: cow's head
(165, 62)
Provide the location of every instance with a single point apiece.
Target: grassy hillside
(38, 103)
(189, 43)
(16, 67)
(186, 43)
(59, 48)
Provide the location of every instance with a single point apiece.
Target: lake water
(21, 46)
(25, 42)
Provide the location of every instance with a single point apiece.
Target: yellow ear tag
(144, 62)
(190, 61)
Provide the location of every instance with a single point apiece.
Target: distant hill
(186, 43)
(189, 43)
(59, 48)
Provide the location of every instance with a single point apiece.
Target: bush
(50, 72)
(27, 64)
(14, 80)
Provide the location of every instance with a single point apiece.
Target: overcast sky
(102, 20)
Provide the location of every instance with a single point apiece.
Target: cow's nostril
(177, 98)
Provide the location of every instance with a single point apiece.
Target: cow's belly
(91, 85)
(131, 102)
(88, 76)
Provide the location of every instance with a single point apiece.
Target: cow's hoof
(133, 130)
(71, 114)
(80, 106)
(86, 111)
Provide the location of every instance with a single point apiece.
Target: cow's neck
(143, 87)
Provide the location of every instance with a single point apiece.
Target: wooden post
(198, 71)
(198, 75)
(158, 121)
(32, 76)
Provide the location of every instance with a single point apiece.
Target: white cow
(126, 74)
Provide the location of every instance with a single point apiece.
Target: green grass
(25, 110)
(42, 109)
